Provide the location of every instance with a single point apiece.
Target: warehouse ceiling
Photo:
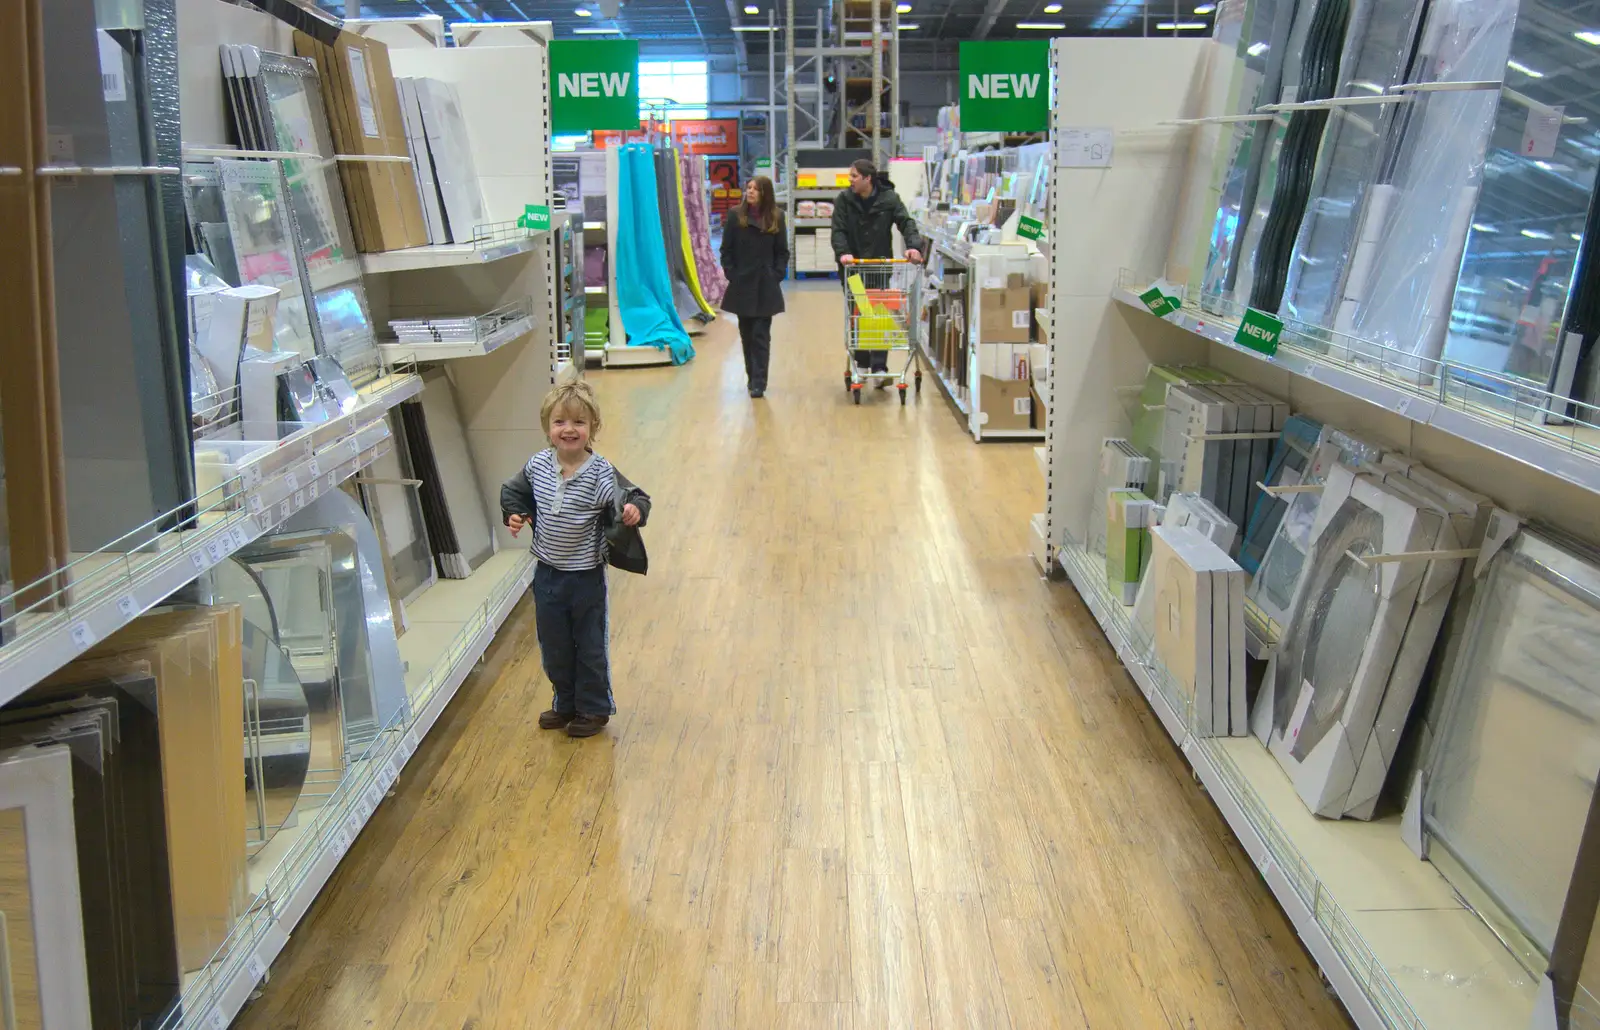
(707, 25)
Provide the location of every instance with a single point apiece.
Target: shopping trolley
(880, 318)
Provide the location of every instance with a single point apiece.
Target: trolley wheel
(919, 382)
(848, 385)
(857, 393)
(902, 395)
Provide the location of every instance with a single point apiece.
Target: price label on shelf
(1404, 406)
(352, 827)
(354, 444)
(256, 968)
(215, 1020)
(217, 549)
(293, 480)
(285, 510)
(252, 476)
(256, 504)
(333, 479)
(83, 637)
(374, 797)
(312, 490)
(128, 605)
(240, 537)
(316, 468)
(299, 499)
(198, 559)
(410, 742)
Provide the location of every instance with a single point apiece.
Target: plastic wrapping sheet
(256, 198)
(1249, 40)
(295, 119)
(1519, 276)
(1513, 771)
(1258, 175)
(1379, 46)
(118, 320)
(1415, 217)
(1295, 159)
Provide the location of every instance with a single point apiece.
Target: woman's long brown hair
(766, 213)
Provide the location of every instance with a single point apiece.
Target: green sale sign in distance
(1005, 86)
(594, 84)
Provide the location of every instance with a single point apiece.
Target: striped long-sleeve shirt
(567, 533)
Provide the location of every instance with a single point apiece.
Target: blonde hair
(571, 394)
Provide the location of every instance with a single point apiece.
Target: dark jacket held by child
(624, 544)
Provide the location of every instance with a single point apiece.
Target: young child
(583, 513)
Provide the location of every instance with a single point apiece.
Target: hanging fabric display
(685, 243)
(668, 201)
(644, 283)
(713, 284)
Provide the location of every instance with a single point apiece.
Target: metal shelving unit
(860, 44)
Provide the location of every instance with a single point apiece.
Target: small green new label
(535, 216)
(1030, 228)
(1160, 304)
(1259, 331)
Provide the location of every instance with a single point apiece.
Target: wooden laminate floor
(869, 770)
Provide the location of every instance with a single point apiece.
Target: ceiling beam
(739, 47)
(991, 14)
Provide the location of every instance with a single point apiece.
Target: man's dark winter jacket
(624, 544)
(863, 227)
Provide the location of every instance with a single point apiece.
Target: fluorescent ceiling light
(599, 30)
(1180, 26)
(1256, 49)
(1589, 36)
(1577, 236)
(1518, 66)
(1043, 26)
(908, 26)
(1052, 8)
(1206, 9)
(753, 28)
(903, 8)
(1537, 234)
(583, 12)
(752, 9)
(1481, 227)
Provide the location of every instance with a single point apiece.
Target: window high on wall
(685, 83)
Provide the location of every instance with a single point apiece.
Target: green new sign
(594, 84)
(1160, 304)
(535, 216)
(1259, 331)
(1005, 86)
(1030, 228)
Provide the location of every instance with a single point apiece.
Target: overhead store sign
(1005, 86)
(706, 135)
(594, 84)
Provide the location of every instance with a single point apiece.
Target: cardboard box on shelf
(1037, 416)
(363, 104)
(1007, 403)
(1004, 315)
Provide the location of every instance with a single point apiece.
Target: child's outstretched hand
(630, 516)
(516, 522)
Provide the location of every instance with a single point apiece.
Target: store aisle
(869, 770)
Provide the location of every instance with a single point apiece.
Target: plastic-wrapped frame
(1513, 770)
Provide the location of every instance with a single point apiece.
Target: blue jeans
(571, 614)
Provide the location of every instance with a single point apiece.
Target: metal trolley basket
(880, 317)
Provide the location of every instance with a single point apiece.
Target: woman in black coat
(755, 258)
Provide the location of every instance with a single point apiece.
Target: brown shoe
(554, 720)
(587, 725)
